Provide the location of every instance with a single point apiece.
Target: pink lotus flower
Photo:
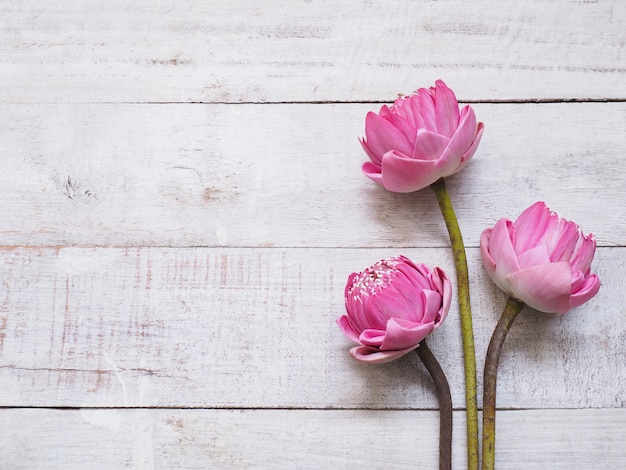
(392, 306)
(419, 139)
(541, 259)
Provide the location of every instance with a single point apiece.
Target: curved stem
(513, 307)
(467, 333)
(445, 404)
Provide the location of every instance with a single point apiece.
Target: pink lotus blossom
(392, 306)
(541, 259)
(421, 138)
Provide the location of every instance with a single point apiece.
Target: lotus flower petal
(373, 172)
(427, 109)
(531, 226)
(372, 338)
(564, 241)
(441, 284)
(447, 109)
(488, 262)
(348, 328)
(472, 150)
(534, 257)
(383, 136)
(581, 261)
(401, 174)
(376, 356)
(432, 304)
(546, 287)
(429, 145)
(460, 142)
(585, 292)
(403, 334)
(501, 249)
(399, 122)
(374, 158)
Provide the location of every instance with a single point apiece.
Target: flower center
(374, 279)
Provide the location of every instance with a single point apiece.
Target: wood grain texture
(312, 439)
(255, 328)
(181, 204)
(244, 51)
(288, 175)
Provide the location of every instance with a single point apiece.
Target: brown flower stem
(513, 307)
(467, 333)
(445, 404)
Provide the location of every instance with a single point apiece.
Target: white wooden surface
(181, 204)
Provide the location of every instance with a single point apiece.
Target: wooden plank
(297, 439)
(172, 271)
(200, 327)
(288, 175)
(241, 51)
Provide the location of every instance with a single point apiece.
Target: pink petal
(472, 150)
(501, 250)
(346, 326)
(371, 337)
(488, 261)
(391, 303)
(427, 110)
(412, 302)
(375, 356)
(411, 109)
(376, 159)
(429, 145)
(439, 282)
(582, 259)
(441, 279)
(373, 172)
(432, 305)
(460, 142)
(578, 281)
(534, 257)
(402, 174)
(359, 319)
(546, 288)
(447, 109)
(531, 226)
(417, 275)
(585, 292)
(564, 240)
(400, 122)
(402, 334)
(382, 136)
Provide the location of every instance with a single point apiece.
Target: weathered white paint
(161, 254)
(298, 439)
(288, 175)
(234, 51)
(256, 328)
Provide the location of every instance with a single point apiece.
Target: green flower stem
(513, 307)
(467, 333)
(445, 404)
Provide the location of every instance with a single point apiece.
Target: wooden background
(181, 204)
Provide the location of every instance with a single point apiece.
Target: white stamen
(374, 279)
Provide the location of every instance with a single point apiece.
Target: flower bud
(541, 259)
(421, 138)
(392, 306)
